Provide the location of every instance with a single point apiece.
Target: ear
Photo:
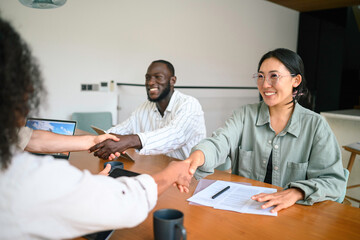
(172, 81)
(297, 80)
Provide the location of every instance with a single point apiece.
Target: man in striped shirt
(168, 123)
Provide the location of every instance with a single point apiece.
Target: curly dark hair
(21, 88)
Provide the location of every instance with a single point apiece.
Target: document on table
(237, 198)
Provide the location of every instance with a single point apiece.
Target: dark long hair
(293, 62)
(21, 88)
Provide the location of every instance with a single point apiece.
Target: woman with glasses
(277, 141)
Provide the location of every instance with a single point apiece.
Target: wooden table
(325, 220)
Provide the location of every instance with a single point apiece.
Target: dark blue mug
(169, 225)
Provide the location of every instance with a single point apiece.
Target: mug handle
(182, 229)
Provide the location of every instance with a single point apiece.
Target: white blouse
(41, 197)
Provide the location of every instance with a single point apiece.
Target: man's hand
(108, 148)
(106, 170)
(281, 200)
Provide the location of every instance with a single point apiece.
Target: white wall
(210, 42)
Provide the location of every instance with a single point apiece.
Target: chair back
(84, 120)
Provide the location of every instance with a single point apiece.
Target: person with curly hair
(277, 141)
(44, 198)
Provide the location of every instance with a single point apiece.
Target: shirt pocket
(245, 162)
(295, 171)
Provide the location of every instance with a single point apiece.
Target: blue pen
(219, 193)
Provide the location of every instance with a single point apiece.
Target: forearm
(128, 141)
(213, 154)
(163, 181)
(320, 189)
(172, 136)
(48, 142)
(133, 141)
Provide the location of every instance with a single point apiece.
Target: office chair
(85, 120)
(354, 149)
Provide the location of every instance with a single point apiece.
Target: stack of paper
(237, 198)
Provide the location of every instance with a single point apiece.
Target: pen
(219, 193)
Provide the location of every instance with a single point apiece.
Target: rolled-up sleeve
(24, 137)
(325, 173)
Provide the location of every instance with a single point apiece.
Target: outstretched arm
(49, 142)
(177, 172)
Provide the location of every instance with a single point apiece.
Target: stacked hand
(100, 138)
(110, 149)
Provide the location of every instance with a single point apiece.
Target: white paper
(204, 183)
(237, 198)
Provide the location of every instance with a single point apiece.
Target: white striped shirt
(174, 134)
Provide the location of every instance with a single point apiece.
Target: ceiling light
(43, 4)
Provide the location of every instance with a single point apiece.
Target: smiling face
(159, 82)
(279, 94)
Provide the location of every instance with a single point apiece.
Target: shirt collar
(264, 115)
(171, 104)
(293, 127)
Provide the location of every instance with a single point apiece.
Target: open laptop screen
(57, 126)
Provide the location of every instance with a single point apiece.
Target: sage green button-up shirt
(305, 155)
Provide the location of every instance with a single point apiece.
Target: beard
(163, 95)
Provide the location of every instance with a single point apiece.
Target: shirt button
(264, 161)
(270, 141)
(276, 168)
(276, 146)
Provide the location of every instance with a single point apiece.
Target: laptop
(101, 131)
(64, 127)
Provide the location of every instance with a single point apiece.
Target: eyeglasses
(271, 78)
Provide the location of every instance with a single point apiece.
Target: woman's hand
(281, 200)
(196, 160)
(106, 170)
(103, 137)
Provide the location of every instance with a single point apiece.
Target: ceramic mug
(168, 225)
